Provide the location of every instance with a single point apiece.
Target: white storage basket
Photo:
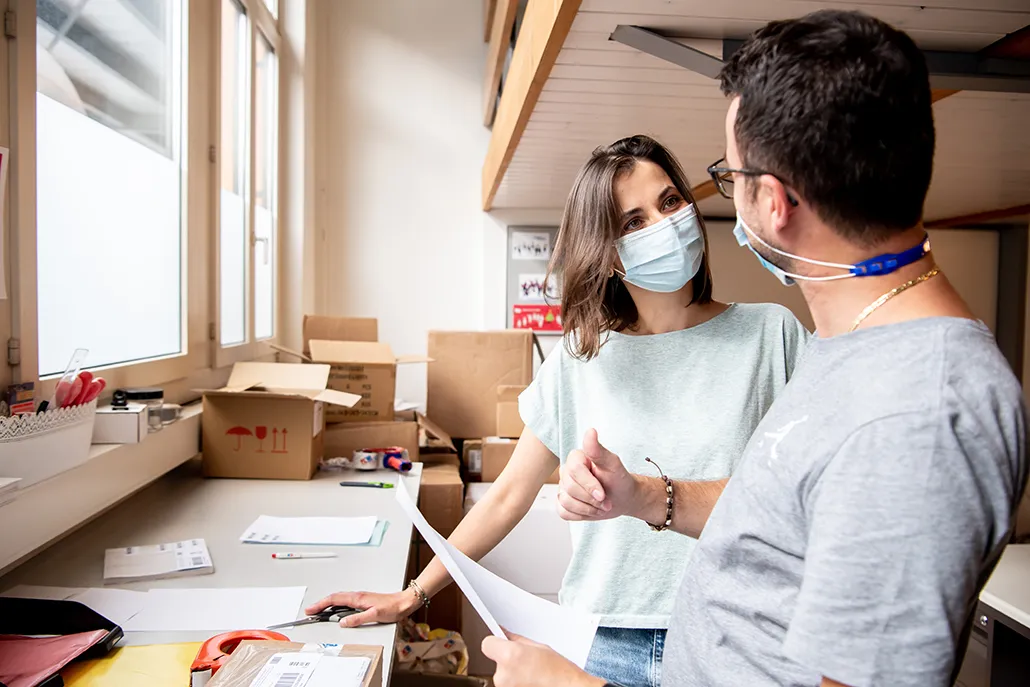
(36, 447)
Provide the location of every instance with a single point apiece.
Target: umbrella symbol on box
(239, 433)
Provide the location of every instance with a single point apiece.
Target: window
(266, 164)
(249, 174)
(234, 201)
(109, 180)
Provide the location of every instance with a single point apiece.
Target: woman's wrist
(417, 595)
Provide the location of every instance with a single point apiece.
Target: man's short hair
(837, 104)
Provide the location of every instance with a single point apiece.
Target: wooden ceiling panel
(600, 91)
(629, 75)
(910, 17)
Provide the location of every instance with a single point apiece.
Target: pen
(374, 485)
(291, 555)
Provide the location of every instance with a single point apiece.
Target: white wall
(401, 145)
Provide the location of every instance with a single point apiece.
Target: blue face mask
(741, 231)
(873, 267)
(664, 256)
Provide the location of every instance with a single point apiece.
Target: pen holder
(36, 447)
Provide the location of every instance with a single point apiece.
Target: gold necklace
(926, 276)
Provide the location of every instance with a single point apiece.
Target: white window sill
(47, 511)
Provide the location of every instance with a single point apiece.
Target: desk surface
(1008, 589)
(184, 505)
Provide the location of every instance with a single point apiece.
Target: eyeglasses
(722, 177)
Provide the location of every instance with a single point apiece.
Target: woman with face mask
(655, 365)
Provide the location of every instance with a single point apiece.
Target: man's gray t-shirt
(869, 508)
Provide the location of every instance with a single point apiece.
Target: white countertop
(184, 505)
(1008, 589)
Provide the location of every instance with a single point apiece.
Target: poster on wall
(538, 317)
(526, 245)
(531, 288)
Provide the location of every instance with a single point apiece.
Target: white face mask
(664, 256)
(876, 266)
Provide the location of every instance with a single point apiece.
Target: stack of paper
(323, 531)
(177, 559)
(8, 489)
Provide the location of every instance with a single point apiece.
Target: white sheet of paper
(502, 604)
(269, 529)
(117, 605)
(216, 610)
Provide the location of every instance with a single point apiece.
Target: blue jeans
(627, 657)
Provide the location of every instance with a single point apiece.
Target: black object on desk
(28, 617)
(57, 617)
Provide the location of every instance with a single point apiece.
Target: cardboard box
(441, 495)
(268, 422)
(250, 657)
(124, 425)
(413, 431)
(339, 329)
(497, 451)
(472, 458)
(343, 440)
(365, 368)
(467, 369)
(509, 421)
(434, 444)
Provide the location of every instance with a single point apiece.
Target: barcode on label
(198, 561)
(289, 680)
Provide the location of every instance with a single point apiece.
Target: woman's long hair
(594, 301)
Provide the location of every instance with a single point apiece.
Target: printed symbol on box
(261, 432)
(239, 433)
(275, 440)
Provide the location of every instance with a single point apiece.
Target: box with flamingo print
(268, 422)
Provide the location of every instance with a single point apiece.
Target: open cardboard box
(367, 369)
(410, 430)
(339, 329)
(268, 421)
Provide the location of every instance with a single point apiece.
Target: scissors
(331, 614)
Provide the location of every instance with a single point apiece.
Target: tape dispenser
(216, 650)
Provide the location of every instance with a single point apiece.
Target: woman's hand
(375, 608)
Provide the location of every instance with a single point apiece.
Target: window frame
(262, 25)
(195, 209)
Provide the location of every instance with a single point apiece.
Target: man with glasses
(876, 495)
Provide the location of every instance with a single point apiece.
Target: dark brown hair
(594, 301)
(838, 105)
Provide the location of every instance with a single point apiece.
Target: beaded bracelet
(668, 500)
(422, 596)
